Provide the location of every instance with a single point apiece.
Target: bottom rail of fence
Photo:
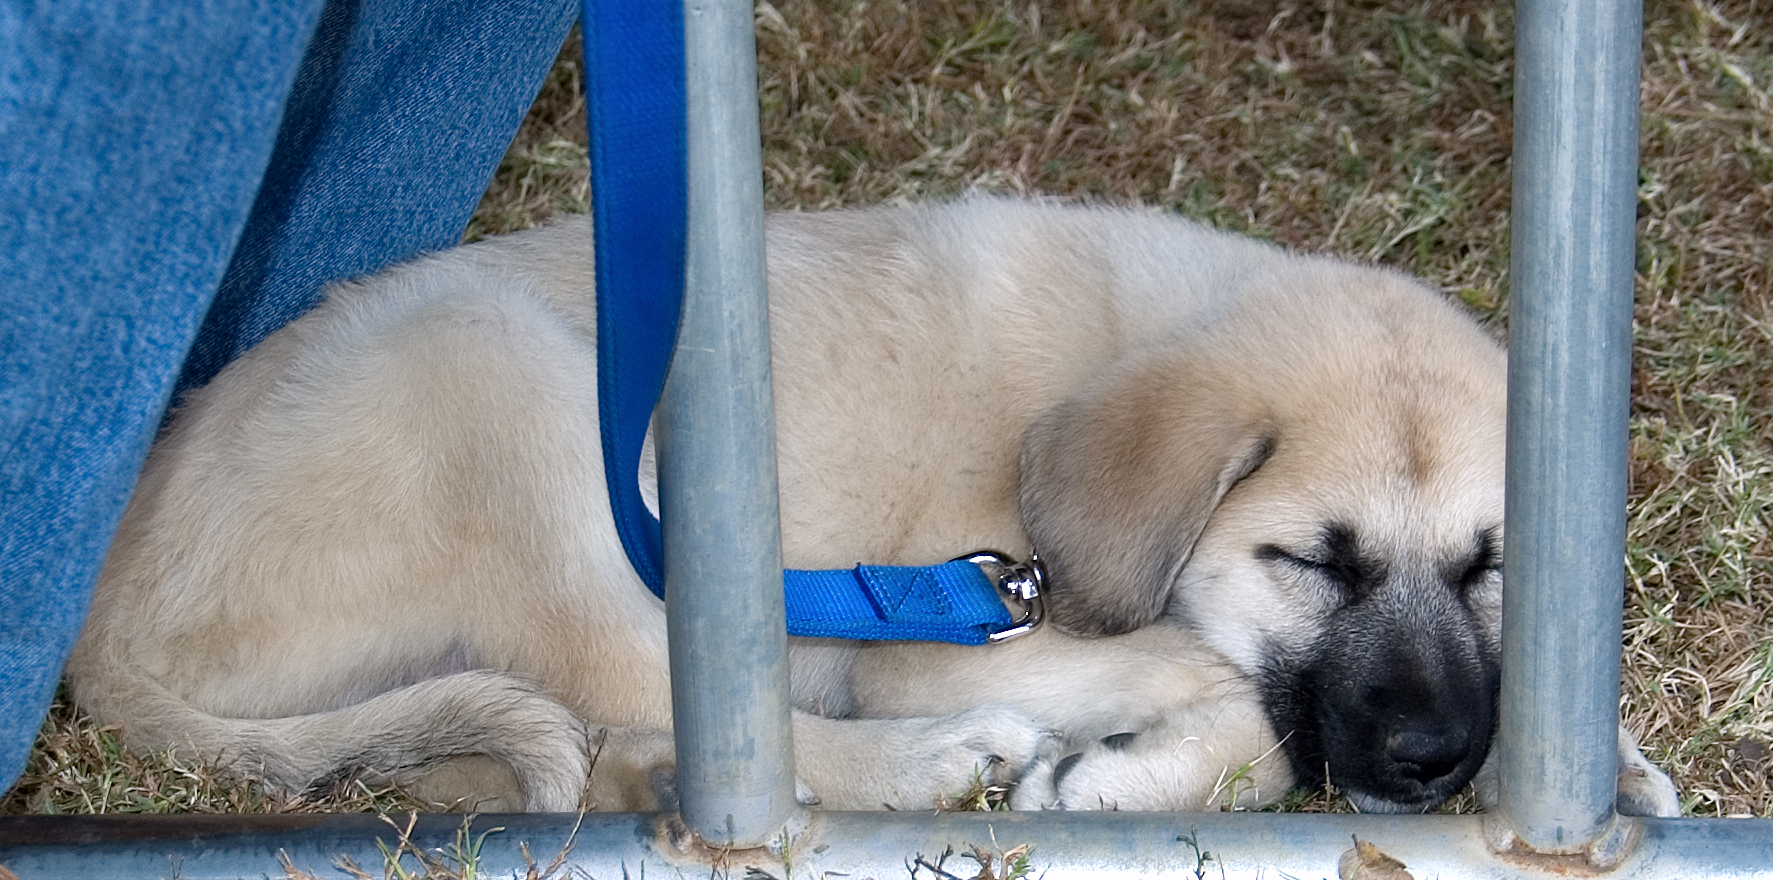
(948, 846)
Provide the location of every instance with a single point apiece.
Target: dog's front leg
(1201, 756)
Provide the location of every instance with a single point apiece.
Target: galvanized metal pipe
(1062, 846)
(1575, 186)
(717, 464)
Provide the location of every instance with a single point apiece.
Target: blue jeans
(177, 180)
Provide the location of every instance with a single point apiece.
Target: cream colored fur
(379, 541)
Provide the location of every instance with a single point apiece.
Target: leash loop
(1022, 581)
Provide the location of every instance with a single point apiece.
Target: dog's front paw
(992, 744)
(912, 763)
(1644, 790)
(1175, 765)
(1042, 786)
(1109, 775)
(989, 745)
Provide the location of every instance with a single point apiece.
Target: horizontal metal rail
(609, 846)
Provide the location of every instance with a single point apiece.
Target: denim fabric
(398, 120)
(158, 157)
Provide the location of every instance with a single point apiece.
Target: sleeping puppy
(1268, 489)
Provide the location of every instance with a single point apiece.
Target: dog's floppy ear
(1118, 481)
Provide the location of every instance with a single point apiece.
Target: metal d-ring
(1022, 581)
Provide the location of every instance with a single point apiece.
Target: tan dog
(1269, 488)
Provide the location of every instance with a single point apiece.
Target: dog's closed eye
(1479, 566)
(1335, 560)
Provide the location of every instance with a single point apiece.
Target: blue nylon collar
(634, 82)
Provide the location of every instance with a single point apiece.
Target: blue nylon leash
(634, 83)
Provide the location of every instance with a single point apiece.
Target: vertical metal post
(1575, 186)
(717, 465)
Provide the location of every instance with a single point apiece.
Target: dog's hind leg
(631, 771)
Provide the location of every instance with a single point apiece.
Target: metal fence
(1573, 239)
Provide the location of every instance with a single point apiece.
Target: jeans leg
(134, 139)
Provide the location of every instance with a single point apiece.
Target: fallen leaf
(1364, 861)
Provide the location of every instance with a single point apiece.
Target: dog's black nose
(1426, 752)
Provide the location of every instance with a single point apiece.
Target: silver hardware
(1022, 580)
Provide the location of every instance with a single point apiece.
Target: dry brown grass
(1699, 672)
(79, 768)
(1375, 130)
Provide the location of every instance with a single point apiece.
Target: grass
(458, 860)
(79, 768)
(1379, 130)
(987, 864)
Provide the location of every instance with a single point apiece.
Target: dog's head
(1314, 488)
